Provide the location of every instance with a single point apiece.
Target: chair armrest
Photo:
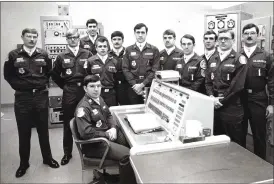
(93, 140)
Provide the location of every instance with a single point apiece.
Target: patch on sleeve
(242, 60)
(80, 112)
(203, 64)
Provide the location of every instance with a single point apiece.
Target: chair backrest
(74, 129)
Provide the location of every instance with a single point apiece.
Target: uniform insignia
(86, 46)
(203, 64)
(90, 101)
(179, 66)
(95, 67)
(66, 60)
(104, 107)
(161, 58)
(192, 67)
(95, 111)
(133, 63)
(229, 65)
(99, 123)
(212, 64)
(148, 54)
(80, 112)
(259, 61)
(242, 59)
(203, 73)
(133, 53)
(21, 70)
(176, 58)
(212, 76)
(19, 59)
(68, 71)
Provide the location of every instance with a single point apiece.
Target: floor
(37, 172)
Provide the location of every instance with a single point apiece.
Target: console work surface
(224, 163)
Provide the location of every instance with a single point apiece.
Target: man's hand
(269, 111)
(112, 134)
(138, 88)
(217, 103)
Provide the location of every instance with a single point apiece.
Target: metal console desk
(223, 163)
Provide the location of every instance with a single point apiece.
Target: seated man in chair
(94, 119)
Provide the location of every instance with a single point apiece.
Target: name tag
(19, 59)
(161, 58)
(212, 64)
(86, 46)
(133, 53)
(179, 66)
(39, 59)
(148, 54)
(175, 58)
(83, 59)
(259, 61)
(95, 66)
(229, 65)
(66, 60)
(192, 67)
(106, 90)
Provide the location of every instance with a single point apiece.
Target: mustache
(249, 38)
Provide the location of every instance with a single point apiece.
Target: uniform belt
(34, 90)
(254, 90)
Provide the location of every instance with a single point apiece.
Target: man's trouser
(32, 107)
(109, 96)
(255, 111)
(72, 94)
(229, 119)
(134, 98)
(122, 93)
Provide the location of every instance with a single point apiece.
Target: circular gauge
(211, 25)
(221, 24)
(56, 33)
(231, 23)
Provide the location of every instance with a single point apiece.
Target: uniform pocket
(191, 72)
(38, 66)
(258, 69)
(228, 72)
(67, 63)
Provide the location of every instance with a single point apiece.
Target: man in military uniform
(191, 66)
(260, 74)
(171, 54)
(225, 78)
(140, 63)
(94, 119)
(27, 72)
(118, 52)
(106, 67)
(88, 42)
(68, 73)
(210, 38)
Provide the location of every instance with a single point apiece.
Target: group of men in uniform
(236, 81)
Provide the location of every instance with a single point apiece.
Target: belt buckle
(249, 90)
(78, 83)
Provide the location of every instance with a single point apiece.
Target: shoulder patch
(203, 64)
(80, 112)
(242, 59)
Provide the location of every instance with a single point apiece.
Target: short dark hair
(102, 39)
(139, 26)
(169, 32)
(91, 21)
(91, 78)
(249, 26)
(209, 32)
(71, 32)
(117, 33)
(188, 36)
(29, 30)
(227, 31)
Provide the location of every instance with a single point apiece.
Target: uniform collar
(103, 58)
(170, 50)
(188, 57)
(209, 53)
(74, 49)
(29, 51)
(115, 51)
(92, 39)
(147, 45)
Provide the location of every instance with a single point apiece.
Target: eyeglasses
(208, 38)
(249, 33)
(102, 46)
(224, 38)
(95, 86)
(74, 38)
